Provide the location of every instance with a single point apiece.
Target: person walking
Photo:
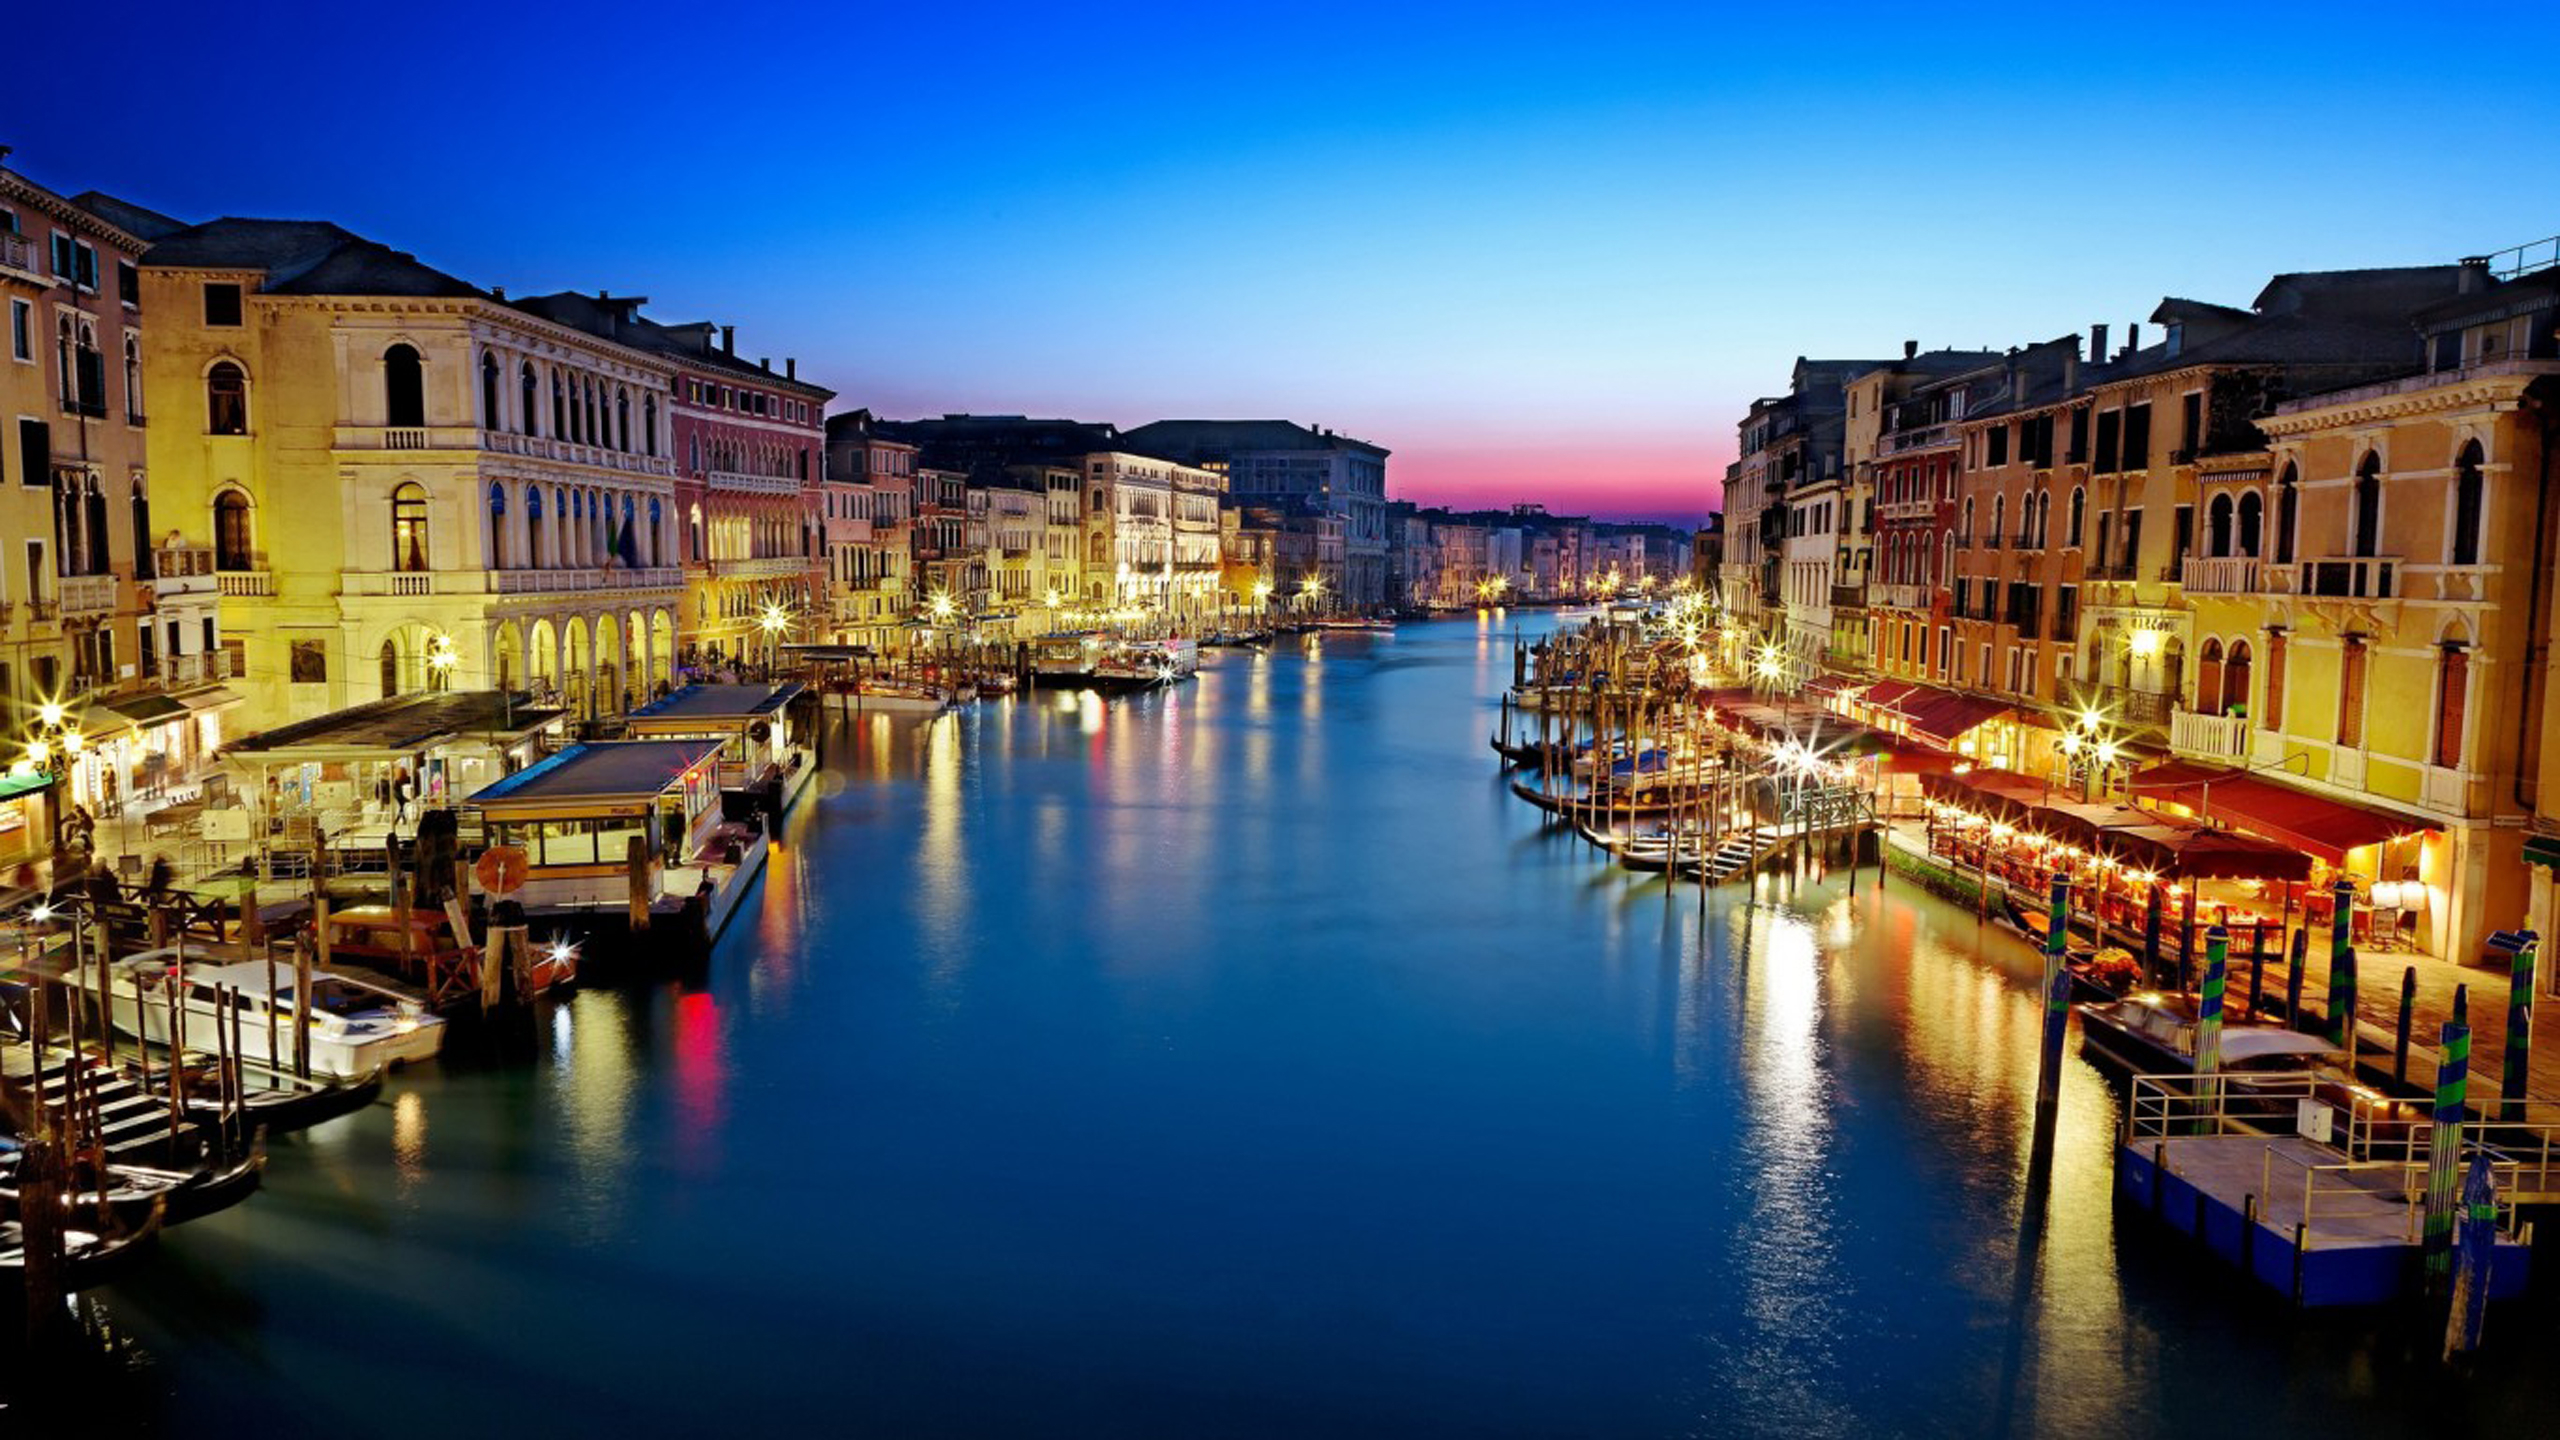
(403, 790)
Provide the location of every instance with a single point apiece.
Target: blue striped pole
(2217, 963)
(2057, 928)
(2057, 1005)
(2444, 1149)
(2518, 1069)
(2342, 969)
(2470, 1308)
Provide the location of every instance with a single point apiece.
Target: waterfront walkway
(2378, 1008)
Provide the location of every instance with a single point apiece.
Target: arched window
(2252, 512)
(2235, 679)
(1999, 517)
(409, 527)
(533, 556)
(528, 396)
(657, 517)
(390, 668)
(2288, 510)
(497, 526)
(2368, 506)
(593, 434)
(2467, 494)
(2217, 526)
(404, 388)
(559, 407)
(1967, 532)
(62, 356)
(622, 421)
(2209, 678)
(489, 377)
(693, 535)
(649, 423)
(2044, 518)
(231, 532)
(132, 378)
(2076, 516)
(226, 400)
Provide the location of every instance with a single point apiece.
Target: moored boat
(356, 1028)
(2149, 1033)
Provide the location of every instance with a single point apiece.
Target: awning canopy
(1886, 693)
(2313, 824)
(1947, 717)
(2137, 839)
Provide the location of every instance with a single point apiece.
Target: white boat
(356, 1028)
(914, 697)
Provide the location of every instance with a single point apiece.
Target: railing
(2139, 707)
(404, 438)
(41, 608)
(545, 582)
(2221, 575)
(88, 594)
(245, 583)
(1848, 597)
(1898, 597)
(2357, 577)
(543, 447)
(754, 484)
(1918, 437)
(2213, 737)
(763, 567)
(193, 669)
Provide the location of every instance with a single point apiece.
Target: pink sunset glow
(1652, 479)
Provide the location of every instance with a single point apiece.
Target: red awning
(2313, 824)
(1885, 693)
(1948, 716)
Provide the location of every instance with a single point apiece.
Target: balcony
(554, 582)
(768, 567)
(531, 447)
(1898, 597)
(741, 483)
(2210, 737)
(2137, 707)
(1919, 437)
(2220, 575)
(195, 669)
(1848, 597)
(2348, 577)
(245, 584)
(88, 594)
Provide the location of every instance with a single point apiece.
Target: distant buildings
(1300, 471)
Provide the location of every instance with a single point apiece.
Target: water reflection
(1245, 1060)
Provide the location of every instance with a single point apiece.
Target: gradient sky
(1540, 252)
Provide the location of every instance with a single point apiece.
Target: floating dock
(2323, 1222)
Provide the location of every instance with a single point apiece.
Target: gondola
(134, 1193)
(1583, 803)
(88, 1256)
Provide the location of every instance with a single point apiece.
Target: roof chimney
(2097, 344)
(790, 367)
(2132, 338)
(728, 339)
(2071, 368)
(497, 292)
(2474, 276)
(1910, 348)
(764, 362)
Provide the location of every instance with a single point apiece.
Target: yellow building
(2361, 595)
(404, 482)
(87, 638)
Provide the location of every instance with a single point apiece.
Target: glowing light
(72, 743)
(38, 751)
(2145, 643)
(50, 714)
(41, 914)
(941, 608)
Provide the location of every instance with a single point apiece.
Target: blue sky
(1542, 253)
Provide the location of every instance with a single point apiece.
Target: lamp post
(773, 622)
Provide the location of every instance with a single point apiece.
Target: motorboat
(356, 1028)
(921, 697)
(2150, 1033)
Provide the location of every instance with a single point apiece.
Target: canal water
(1245, 1060)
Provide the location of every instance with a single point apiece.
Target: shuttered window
(2453, 682)
(2351, 693)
